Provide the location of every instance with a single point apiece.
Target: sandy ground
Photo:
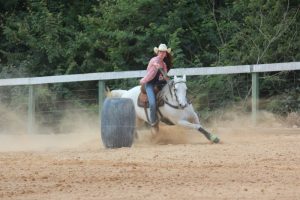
(251, 163)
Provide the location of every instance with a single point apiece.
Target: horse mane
(166, 89)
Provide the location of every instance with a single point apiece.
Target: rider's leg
(152, 101)
(152, 104)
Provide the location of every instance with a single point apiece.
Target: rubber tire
(118, 120)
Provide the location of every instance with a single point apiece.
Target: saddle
(144, 103)
(143, 98)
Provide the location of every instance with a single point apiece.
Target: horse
(176, 109)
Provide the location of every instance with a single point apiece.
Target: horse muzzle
(182, 106)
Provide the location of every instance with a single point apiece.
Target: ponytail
(169, 61)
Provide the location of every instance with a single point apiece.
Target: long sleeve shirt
(154, 64)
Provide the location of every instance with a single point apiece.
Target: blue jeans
(152, 102)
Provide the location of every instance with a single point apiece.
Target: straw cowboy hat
(162, 47)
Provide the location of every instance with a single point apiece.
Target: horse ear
(184, 78)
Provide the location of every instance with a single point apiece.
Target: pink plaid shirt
(154, 64)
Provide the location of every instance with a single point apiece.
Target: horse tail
(114, 93)
(108, 92)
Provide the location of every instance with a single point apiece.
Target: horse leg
(139, 124)
(208, 135)
(211, 137)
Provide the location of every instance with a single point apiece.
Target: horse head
(180, 90)
(175, 92)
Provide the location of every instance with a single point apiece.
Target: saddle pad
(143, 100)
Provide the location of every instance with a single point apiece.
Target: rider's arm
(149, 76)
(165, 75)
(151, 72)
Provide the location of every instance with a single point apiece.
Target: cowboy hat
(162, 47)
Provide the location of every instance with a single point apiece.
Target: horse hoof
(214, 139)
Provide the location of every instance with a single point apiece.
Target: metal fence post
(101, 95)
(255, 97)
(31, 110)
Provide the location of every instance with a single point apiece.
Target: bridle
(171, 85)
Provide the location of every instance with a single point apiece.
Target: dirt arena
(251, 163)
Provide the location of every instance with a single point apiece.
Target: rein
(176, 107)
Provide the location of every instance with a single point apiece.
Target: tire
(117, 122)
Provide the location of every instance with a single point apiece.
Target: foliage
(218, 91)
(266, 32)
(41, 38)
(285, 103)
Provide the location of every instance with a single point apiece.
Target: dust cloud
(12, 121)
(74, 130)
(167, 135)
(231, 123)
(82, 131)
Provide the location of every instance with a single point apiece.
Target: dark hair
(169, 61)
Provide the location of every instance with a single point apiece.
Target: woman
(157, 70)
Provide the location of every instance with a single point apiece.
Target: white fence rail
(101, 77)
(136, 74)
